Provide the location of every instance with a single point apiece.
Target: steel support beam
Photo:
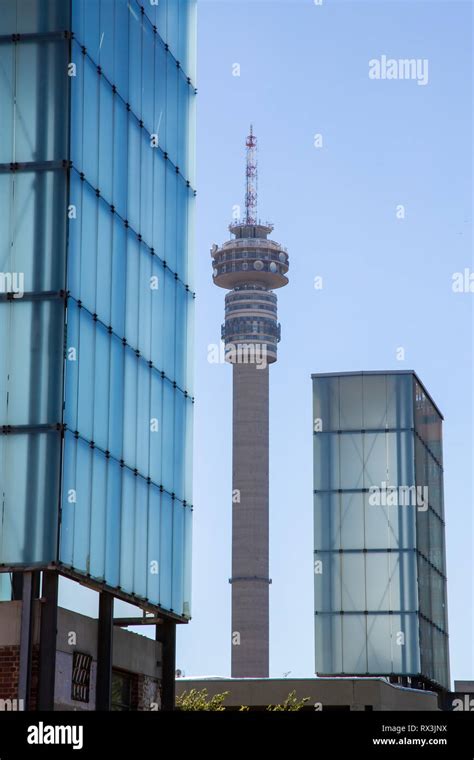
(47, 645)
(166, 635)
(104, 651)
(26, 640)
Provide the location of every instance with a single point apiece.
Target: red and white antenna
(251, 179)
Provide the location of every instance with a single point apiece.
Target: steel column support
(47, 645)
(26, 640)
(104, 651)
(166, 634)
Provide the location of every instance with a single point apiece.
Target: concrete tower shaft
(250, 522)
(251, 266)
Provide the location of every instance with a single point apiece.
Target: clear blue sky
(386, 281)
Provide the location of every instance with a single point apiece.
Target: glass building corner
(379, 559)
(96, 390)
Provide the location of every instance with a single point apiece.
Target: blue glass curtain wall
(97, 186)
(127, 501)
(34, 126)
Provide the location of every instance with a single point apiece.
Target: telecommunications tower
(251, 267)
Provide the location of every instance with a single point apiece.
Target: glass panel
(328, 643)
(181, 337)
(326, 461)
(350, 402)
(377, 526)
(378, 586)
(143, 418)
(375, 402)
(38, 87)
(7, 74)
(101, 388)
(438, 599)
(171, 216)
(148, 72)
(135, 58)
(90, 132)
(178, 546)
(106, 143)
(127, 546)
(120, 183)
(327, 521)
(159, 200)
(405, 644)
(134, 161)
(116, 399)
(166, 548)
(168, 437)
(399, 401)
(179, 443)
(69, 499)
(403, 581)
(144, 297)
(77, 106)
(29, 474)
(157, 318)
(88, 271)
(402, 526)
(188, 467)
(327, 581)
(104, 264)
(187, 570)
(352, 521)
(112, 545)
(130, 409)
(31, 351)
(169, 326)
(400, 459)
(141, 570)
(86, 354)
(107, 34)
(154, 558)
(436, 528)
(156, 414)
(121, 51)
(352, 461)
(376, 465)
(81, 513)
(379, 644)
(32, 256)
(353, 582)
(354, 637)
(98, 515)
(118, 281)
(132, 288)
(424, 589)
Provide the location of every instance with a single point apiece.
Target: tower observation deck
(250, 266)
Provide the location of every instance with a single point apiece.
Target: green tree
(200, 700)
(291, 703)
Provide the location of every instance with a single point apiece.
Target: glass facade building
(97, 191)
(379, 560)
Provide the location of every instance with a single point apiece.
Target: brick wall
(9, 667)
(145, 693)
(9, 672)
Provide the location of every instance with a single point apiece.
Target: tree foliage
(291, 704)
(200, 700)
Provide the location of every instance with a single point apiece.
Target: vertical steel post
(103, 699)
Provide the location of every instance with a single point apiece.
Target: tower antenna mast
(251, 195)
